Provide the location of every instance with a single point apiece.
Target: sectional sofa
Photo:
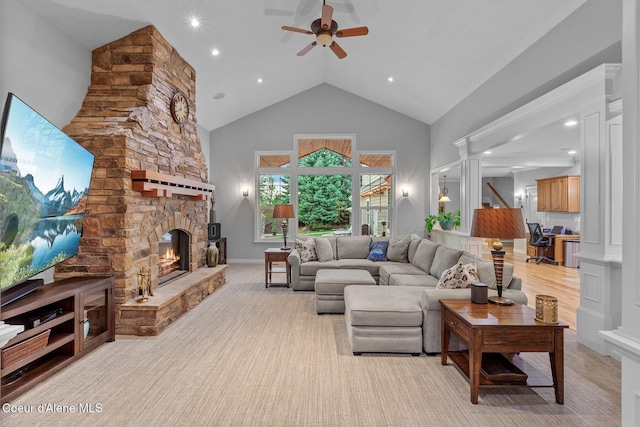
(413, 265)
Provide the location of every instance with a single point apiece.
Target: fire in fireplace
(173, 251)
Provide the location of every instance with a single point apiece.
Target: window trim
(294, 171)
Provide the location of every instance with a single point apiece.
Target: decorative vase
(212, 255)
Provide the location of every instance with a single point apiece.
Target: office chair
(538, 239)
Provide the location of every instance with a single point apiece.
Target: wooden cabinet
(559, 194)
(544, 195)
(76, 302)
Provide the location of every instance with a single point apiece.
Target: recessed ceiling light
(218, 95)
(569, 123)
(195, 23)
(215, 52)
(390, 79)
(260, 80)
(518, 167)
(571, 152)
(487, 152)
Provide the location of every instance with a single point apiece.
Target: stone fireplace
(149, 182)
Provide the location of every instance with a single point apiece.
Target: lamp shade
(498, 224)
(283, 211)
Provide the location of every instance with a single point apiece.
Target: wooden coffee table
(494, 334)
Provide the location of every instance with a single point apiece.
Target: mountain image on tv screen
(44, 183)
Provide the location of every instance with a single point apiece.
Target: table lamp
(285, 212)
(498, 224)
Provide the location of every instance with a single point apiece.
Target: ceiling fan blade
(296, 30)
(307, 49)
(335, 47)
(327, 15)
(350, 32)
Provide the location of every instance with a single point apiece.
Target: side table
(494, 335)
(272, 255)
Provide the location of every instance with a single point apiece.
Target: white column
(600, 260)
(470, 184)
(626, 338)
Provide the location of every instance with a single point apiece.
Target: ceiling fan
(324, 29)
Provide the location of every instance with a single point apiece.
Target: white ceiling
(437, 51)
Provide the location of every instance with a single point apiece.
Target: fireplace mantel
(155, 184)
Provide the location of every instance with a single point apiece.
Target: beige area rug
(250, 356)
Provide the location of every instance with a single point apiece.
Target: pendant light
(444, 194)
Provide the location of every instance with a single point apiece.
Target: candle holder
(547, 309)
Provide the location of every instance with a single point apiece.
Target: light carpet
(250, 356)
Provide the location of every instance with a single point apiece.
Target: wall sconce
(405, 192)
(519, 196)
(245, 192)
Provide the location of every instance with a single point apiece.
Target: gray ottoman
(330, 284)
(384, 319)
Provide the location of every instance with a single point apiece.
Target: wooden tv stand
(76, 301)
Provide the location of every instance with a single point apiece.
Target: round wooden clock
(179, 108)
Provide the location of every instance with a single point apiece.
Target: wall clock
(179, 108)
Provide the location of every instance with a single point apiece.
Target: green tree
(324, 200)
(274, 189)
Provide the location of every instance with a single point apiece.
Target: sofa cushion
(460, 276)
(311, 268)
(424, 255)
(323, 249)
(353, 247)
(333, 282)
(307, 250)
(424, 280)
(445, 257)
(383, 306)
(398, 249)
(487, 272)
(413, 246)
(388, 269)
(360, 264)
(378, 250)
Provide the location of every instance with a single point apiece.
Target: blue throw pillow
(378, 250)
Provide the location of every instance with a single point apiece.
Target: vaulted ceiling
(436, 51)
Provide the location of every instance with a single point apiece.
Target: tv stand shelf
(82, 300)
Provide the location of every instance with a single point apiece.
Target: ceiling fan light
(324, 39)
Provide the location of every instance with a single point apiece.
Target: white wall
(587, 38)
(41, 65)
(323, 109)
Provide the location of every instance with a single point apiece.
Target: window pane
(375, 222)
(324, 152)
(324, 204)
(274, 161)
(274, 190)
(376, 160)
(375, 200)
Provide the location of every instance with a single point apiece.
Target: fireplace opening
(173, 251)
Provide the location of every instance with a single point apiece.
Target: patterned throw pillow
(459, 276)
(378, 250)
(307, 250)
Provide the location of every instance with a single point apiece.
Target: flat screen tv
(44, 183)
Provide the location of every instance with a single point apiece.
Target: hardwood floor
(547, 279)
